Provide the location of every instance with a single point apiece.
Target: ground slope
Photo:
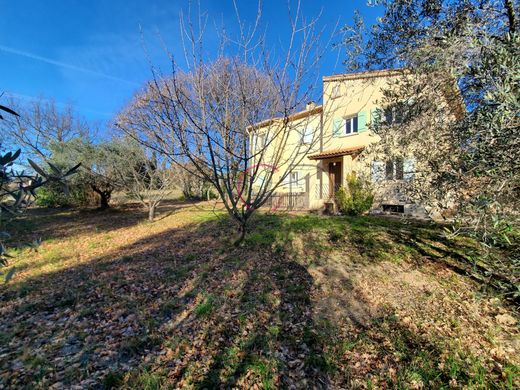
(110, 300)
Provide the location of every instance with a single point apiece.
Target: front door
(334, 177)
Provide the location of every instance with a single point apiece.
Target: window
(336, 91)
(397, 169)
(378, 171)
(408, 169)
(260, 141)
(393, 208)
(307, 136)
(354, 124)
(389, 171)
(394, 169)
(351, 125)
(291, 180)
(393, 115)
(294, 178)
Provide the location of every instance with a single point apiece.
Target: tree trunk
(151, 212)
(104, 197)
(241, 234)
(511, 17)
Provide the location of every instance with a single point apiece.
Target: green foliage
(205, 307)
(99, 173)
(356, 198)
(51, 198)
(465, 53)
(113, 379)
(208, 192)
(54, 196)
(17, 190)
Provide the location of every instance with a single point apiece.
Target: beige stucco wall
(287, 153)
(357, 96)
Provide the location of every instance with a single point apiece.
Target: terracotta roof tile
(337, 152)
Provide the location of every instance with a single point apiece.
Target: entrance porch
(334, 166)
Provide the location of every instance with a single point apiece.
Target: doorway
(334, 177)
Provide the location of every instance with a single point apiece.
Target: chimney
(310, 106)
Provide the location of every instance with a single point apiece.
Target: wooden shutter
(362, 121)
(337, 126)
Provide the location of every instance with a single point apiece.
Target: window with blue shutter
(351, 125)
(337, 126)
(362, 121)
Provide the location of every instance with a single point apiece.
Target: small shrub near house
(356, 198)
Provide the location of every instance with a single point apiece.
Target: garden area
(110, 300)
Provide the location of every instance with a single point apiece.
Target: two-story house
(330, 138)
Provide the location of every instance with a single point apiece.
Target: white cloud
(64, 64)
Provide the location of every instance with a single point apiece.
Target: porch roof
(337, 152)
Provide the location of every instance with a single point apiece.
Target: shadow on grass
(377, 239)
(181, 291)
(184, 308)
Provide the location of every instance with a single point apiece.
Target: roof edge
(290, 118)
(366, 74)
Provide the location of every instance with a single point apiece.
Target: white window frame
(260, 141)
(336, 91)
(349, 125)
(307, 136)
(293, 177)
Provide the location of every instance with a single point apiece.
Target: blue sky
(90, 53)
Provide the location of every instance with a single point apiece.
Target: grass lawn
(112, 301)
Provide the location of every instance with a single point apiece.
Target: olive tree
(458, 108)
(140, 173)
(98, 171)
(17, 189)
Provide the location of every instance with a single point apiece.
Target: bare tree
(40, 124)
(225, 120)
